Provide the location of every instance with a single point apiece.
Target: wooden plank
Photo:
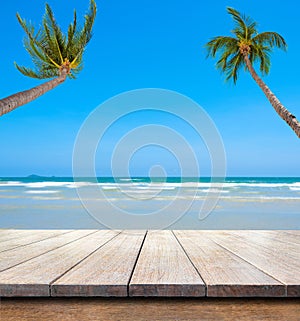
(32, 278)
(239, 263)
(293, 232)
(34, 236)
(163, 269)
(276, 258)
(224, 273)
(149, 309)
(18, 255)
(269, 238)
(106, 272)
(10, 234)
(290, 235)
(285, 251)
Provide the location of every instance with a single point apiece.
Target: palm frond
(51, 50)
(271, 39)
(34, 52)
(54, 32)
(71, 32)
(27, 27)
(233, 67)
(245, 26)
(246, 43)
(261, 54)
(86, 33)
(82, 38)
(222, 63)
(28, 72)
(220, 43)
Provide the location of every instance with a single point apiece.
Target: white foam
(155, 188)
(42, 192)
(152, 185)
(44, 198)
(273, 198)
(110, 187)
(79, 184)
(45, 184)
(212, 190)
(11, 183)
(295, 188)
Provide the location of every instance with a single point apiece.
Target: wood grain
(271, 238)
(276, 235)
(28, 238)
(163, 269)
(224, 273)
(294, 233)
(278, 259)
(149, 309)
(6, 235)
(32, 278)
(19, 255)
(106, 272)
(107, 263)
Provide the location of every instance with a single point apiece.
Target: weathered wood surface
(6, 235)
(33, 277)
(277, 258)
(104, 273)
(294, 233)
(224, 273)
(268, 237)
(165, 263)
(19, 255)
(283, 236)
(163, 269)
(148, 309)
(28, 238)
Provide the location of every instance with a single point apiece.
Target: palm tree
(246, 47)
(53, 54)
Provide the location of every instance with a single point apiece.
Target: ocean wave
(229, 185)
(154, 188)
(209, 185)
(134, 184)
(42, 192)
(259, 198)
(212, 190)
(110, 188)
(45, 184)
(11, 183)
(295, 189)
(44, 198)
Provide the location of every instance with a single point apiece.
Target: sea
(36, 202)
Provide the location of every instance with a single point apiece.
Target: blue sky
(152, 44)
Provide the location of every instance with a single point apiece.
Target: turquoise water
(243, 202)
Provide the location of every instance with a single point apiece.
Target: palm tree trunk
(14, 101)
(289, 118)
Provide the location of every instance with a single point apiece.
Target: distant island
(34, 176)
